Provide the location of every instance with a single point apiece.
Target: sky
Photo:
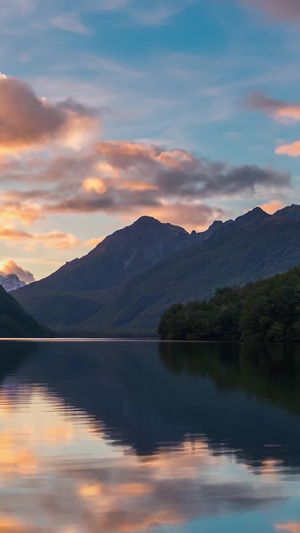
(185, 110)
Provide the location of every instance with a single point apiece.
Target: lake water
(129, 437)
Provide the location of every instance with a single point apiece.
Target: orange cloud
(26, 212)
(289, 112)
(29, 122)
(53, 239)
(137, 186)
(195, 216)
(11, 525)
(272, 207)
(129, 179)
(92, 243)
(292, 150)
(96, 185)
(292, 527)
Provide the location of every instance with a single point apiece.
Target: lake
(129, 437)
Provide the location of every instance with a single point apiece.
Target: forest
(265, 311)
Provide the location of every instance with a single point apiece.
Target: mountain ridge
(234, 252)
(119, 256)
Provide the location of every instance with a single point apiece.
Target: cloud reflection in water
(58, 475)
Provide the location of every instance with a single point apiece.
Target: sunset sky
(186, 110)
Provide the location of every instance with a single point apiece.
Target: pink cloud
(292, 149)
(29, 122)
(10, 267)
(53, 239)
(277, 9)
(131, 179)
(291, 527)
(279, 110)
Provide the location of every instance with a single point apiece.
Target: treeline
(267, 310)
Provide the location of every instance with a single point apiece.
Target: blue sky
(191, 91)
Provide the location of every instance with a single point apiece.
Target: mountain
(14, 322)
(119, 257)
(123, 286)
(11, 282)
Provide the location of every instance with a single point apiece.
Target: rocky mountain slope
(125, 284)
(11, 282)
(119, 257)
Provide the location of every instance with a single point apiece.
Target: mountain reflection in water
(136, 436)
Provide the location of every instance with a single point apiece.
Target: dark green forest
(267, 310)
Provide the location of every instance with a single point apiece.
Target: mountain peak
(291, 211)
(216, 224)
(146, 221)
(255, 215)
(120, 256)
(11, 282)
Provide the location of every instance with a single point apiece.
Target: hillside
(255, 245)
(265, 311)
(14, 322)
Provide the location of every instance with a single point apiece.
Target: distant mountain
(14, 322)
(11, 282)
(125, 284)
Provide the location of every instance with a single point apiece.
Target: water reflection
(270, 371)
(134, 437)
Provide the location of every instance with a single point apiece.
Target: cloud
(11, 525)
(286, 10)
(157, 16)
(277, 109)
(9, 8)
(92, 243)
(53, 239)
(96, 185)
(10, 267)
(109, 488)
(292, 527)
(105, 5)
(196, 216)
(292, 149)
(131, 179)
(155, 13)
(282, 112)
(70, 22)
(29, 122)
(272, 206)
(126, 495)
(26, 212)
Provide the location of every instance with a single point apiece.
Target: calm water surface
(125, 437)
